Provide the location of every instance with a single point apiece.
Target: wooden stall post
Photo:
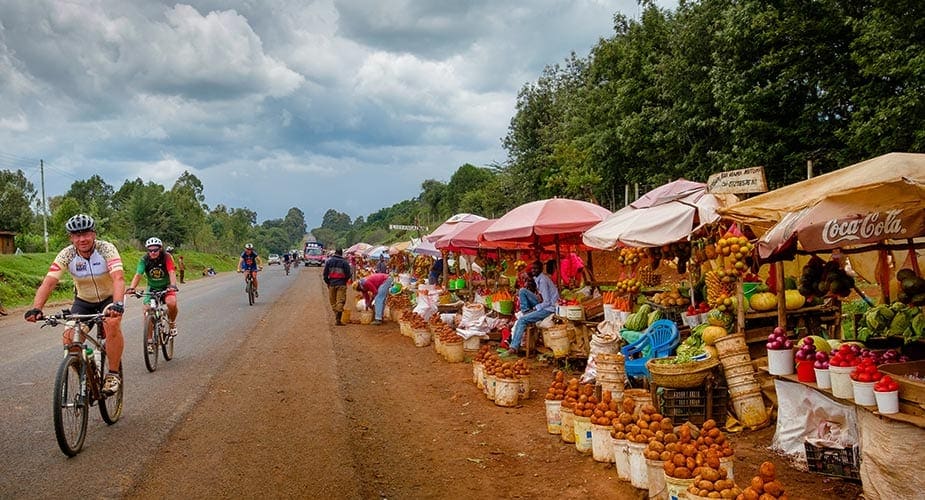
(781, 295)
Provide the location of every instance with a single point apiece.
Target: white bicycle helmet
(80, 223)
(248, 246)
(154, 241)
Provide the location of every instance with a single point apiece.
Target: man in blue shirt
(534, 308)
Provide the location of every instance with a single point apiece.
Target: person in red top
(572, 270)
(375, 288)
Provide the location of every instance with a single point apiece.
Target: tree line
(712, 85)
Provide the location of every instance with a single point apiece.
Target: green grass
(21, 275)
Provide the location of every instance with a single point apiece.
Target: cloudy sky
(272, 104)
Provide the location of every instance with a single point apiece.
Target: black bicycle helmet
(80, 223)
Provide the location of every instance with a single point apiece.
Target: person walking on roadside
(336, 274)
(181, 269)
(157, 267)
(375, 288)
(99, 285)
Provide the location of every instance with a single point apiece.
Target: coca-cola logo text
(871, 227)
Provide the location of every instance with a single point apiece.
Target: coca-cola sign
(873, 226)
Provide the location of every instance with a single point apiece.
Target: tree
(467, 178)
(187, 198)
(16, 198)
(336, 221)
(94, 195)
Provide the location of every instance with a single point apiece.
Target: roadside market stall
(871, 209)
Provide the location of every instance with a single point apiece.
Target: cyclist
(250, 262)
(99, 281)
(158, 268)
(287, 260)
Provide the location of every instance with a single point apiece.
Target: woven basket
(680, 376)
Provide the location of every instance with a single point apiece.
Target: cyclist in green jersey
(158, 268)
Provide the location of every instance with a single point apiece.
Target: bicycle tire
(166, 343)
(250, 293)
(70, 406)
(150, 325)
(110, 406)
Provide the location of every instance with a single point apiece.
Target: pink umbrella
(466, 239)
(360, 248)
(454, 223)
(546, 222)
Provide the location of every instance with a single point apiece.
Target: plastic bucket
(656, 475)
(421, 337)
(491, 383)
(453, 352)
(608, 312)
(780, 361)
(506, 307)
(472, 343)
(823, 380)
(728, 464)
(476, 372)
(805, 371)
(583, 434)
(640, 397)
(621, 458)
(557, 340)
(404, 328)
(676, 488)
(614, 388)
(507, 392)
(748, 289)
(553, 416)
(887, 402)
(567, 429)
(864, 393)
(524, 387)
(601, 443)
(841, 381)
(639, 473)
(366, 317)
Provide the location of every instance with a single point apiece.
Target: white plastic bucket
(472, 343)
(524, 387)
(621, 458)
(887, 402)
(583, 434)
(656, 475)
(639, 473)
(864, 393)
(567, 430)
(421, 337)
(780, 361)
(491, 383)
(841, 381)
(676, 488)
(454, 352)
(507, 392)
(476, 372)
(823, 380)
(553, 416)
(557, 341)
(601, 443)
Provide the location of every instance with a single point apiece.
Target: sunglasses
(154, 250)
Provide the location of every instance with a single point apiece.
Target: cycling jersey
(250, 261)
(157, 271)
(92, 279)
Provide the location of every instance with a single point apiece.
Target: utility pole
(44, 205)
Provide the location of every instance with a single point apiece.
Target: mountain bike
(249, 286)
(156, 329)
(79, 381)
(286, 265)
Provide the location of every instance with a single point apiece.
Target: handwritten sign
(746, 180)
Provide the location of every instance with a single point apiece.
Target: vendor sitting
(375, 289)
(535, 308)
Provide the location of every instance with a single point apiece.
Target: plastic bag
(546, 322)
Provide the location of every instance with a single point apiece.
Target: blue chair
(661, 338)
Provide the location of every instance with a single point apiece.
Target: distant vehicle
(273, 259)
(314, 254)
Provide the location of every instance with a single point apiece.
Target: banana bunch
(719, 289)
(421, 266)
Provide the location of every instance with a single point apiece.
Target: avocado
(904, 274)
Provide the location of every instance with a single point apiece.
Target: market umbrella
(359, 248)
(667, 214)
(453, 223)
(426, 248)
(857, 207)
(466, 240)
(545, 222)
(377, 252)
(399, 247)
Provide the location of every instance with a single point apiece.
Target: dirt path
(312, 411)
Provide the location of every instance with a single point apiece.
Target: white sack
(800, 412)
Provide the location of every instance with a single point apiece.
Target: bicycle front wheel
(250, 293)
(111, 406)
(70, 406)
(150, 341)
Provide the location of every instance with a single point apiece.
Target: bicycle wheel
(70, 406)
(150, 328)
(250, 292)
(110, 406)
(166, 343)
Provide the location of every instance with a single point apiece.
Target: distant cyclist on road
(250, 262)
(99, 281)
(158, 268)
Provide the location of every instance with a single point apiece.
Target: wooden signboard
(746, 180)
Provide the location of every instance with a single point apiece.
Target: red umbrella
(466, 238)
(546, 222)
(452, 224)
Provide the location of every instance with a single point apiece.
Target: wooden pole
(781, 295)
(740, 306)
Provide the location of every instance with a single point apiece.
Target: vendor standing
(436, 272)
(572, 271)
(375, 288)
(535, 309)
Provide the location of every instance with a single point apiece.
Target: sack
(547, 322)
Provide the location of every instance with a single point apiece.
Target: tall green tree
(17, 196)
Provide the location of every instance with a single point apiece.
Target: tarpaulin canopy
(856, 207)
(452, 224)
(377, 252)
(666, 214)
(397, 248)
(546, 222)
